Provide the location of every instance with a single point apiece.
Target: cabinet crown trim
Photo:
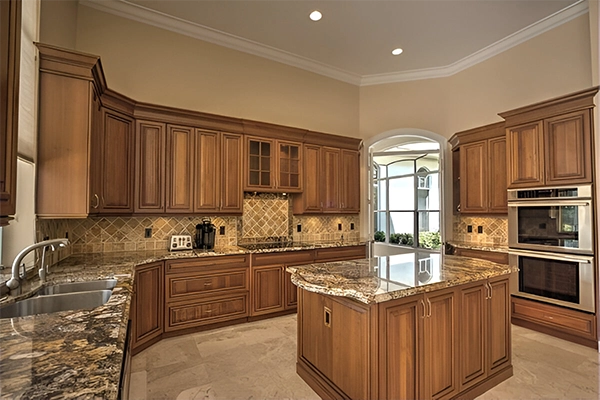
(476, 134)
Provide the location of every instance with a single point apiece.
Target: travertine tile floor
(257, 361)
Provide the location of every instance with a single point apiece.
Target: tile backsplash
(495, 229)
(265, 216)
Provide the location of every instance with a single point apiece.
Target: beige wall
(549, 65)
(58, 23)
(158, 66)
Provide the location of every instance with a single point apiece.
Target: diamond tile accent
(495, 229)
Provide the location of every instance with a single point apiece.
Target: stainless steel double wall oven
(551, 240)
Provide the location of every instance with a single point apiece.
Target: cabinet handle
(327, 317)
(429, 308)
(424, 310)
(491, 290)
(321, 204)
(97, 201)
(207, 283)
(103, 202)
(458, 208)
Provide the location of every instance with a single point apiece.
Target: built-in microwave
(563, 279)
(551, 219)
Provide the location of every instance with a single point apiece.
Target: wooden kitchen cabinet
(180, 169)
(309, 201)
(114, 161)
(150, 149)
(147, 306)
(350, 181)
(482, 170)
(67, 119)
(549, 143)
(416, 332)
(218, 172)
(272, 288)
(330, 179)
(484, 330)
(10, 45)
(273, 165)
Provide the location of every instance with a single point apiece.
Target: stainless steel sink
(78, 287)
(56, 302)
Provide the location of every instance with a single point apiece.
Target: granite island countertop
(79, 353)
(391, 277)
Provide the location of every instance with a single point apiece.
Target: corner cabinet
(10, 46)
(481, 170)
(147, 306)
(272, 165)
(550, 143)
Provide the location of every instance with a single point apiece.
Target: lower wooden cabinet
(291, 292)
(147, 305)
(484, 330)
(267, 289)
(418, 356)
(192, 313)
(447, 344)
(340, 253)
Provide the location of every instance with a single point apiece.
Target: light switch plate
(180, 242)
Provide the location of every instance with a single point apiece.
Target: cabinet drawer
(197, 313)
(340, 253)
(184, 285)
(493, 256)
(200, 264)
(283, 258)
(562, 319)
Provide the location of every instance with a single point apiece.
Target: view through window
(407, 194)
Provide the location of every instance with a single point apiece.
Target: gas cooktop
(273, 245)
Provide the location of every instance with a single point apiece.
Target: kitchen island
(410, 326)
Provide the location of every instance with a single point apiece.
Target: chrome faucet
(15, 281)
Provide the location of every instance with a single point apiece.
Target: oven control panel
(180, 242)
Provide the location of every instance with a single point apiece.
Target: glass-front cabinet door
(289, 166)
(259, 163)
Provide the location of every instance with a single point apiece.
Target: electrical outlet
(480, 229)
(66, 235)
(148, 233)
(46, 238)
(221, 230)
(299, 228)
(469, 228)
(339, 227)
(351, 226)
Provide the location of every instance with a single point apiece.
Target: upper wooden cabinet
(114, 161)
(10, 45)
(69, 86)
(273, 165)
(331, 181)
(481, 178)
(549, 143)
(150, 139)
(180, 169)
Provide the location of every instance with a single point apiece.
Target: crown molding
(147, 16)
(135, 12)
(552, 21)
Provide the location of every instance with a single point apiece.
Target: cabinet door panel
(350, 184)
(440, 353)
(330, 179)
(473, 177)
(259, 164)
(497, 176)
(207, 172)
(147, 316)
(472, 335)
(231, 175)
(401, 327)
(180, 162)
(117, 164)
(525, 147)
(310, 199)
(150, 167)
(499, 325)
(267, 283)
(289, 166)
(568, 149)
(291, 293)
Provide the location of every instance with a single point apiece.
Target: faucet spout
(15, 281)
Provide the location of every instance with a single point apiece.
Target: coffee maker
(205, 235)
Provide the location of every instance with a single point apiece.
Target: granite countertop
(496, 247)
(79, 353)
(386, 278)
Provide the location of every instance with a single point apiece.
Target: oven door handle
(558, 257)
(558, 203)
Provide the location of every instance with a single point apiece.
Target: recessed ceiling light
(315, 15)
(397, 51)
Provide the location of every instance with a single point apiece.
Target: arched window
(407, 192)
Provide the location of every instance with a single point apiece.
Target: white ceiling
(354, 40)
